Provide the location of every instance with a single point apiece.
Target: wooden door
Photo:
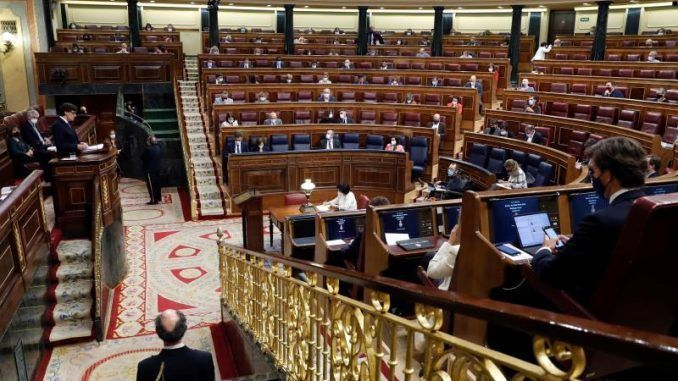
(560, 22)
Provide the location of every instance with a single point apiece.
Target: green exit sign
(583, 19)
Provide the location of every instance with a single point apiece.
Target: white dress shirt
(441, 266)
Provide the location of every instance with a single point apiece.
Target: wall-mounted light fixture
(8, 36)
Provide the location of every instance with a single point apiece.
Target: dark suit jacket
(65, 138)
(479, 87)
(30, 136)
(275, 64)
(151, 159)
(578, 267)
(375, 37)
(332, 99)
(17, 150)
(616, 94)
(230, 147)
(441, 127)
(352, 251)
(273, 122)
(336, 144)
(182, 364)
(242, 65)
(538, 138)
(349, 120)
(653, 174)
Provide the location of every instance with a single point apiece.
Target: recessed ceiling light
(344, 7)
(230, 3)
(421, 7)
(587, 4)
(381, 7)
(305, 6)
(541, 6)
(268, 5)
(460, 7)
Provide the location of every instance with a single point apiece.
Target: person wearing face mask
(611, 91)
(219, 80)
(325, 80)
(278, 63)
(230, 121)
(384, 66)
(20, 152)
(525, 86)
(326, 96)
(32, 135)
(652, 56)
(435, 82)
(533, 106)
(262, 97)
(516, 179)
(423, 53)
(409, 99)
(344, 118)
(654, 163)
(617, 171)
(273, 120)
(362, 80)
(437, 124)
(544, 48)
(151, 160)
(246, 64)
(234, 147)
(260, 146)
(347, 64)
(288, 78)
(393, 145)
(455, 104)
(330, 141)
(345, 199)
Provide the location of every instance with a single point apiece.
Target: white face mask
(393, 142)
(490, 69)
(112, 136)
(262, 98)
(328, 136)
(531, 102)
(434, 82)
(326, 96)
(289, 80)
(342, 116)
(503, 133)
(230, 120)
(34, 121)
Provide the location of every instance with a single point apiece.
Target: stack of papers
(51, 148)
(95, 147)
(323, 208)
(393, 238)
(335, 242)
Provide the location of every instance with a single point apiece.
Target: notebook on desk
(415, 244)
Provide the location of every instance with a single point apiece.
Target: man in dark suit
(33, 137)
(330, 141)
(326, 96)
(344, 118)
(278, 63)
(654, 163)
(437, 124)
(175, 361)
(65, 137)
(273, 119)
(238, 146)
(473, 83)
(374, 37)
(151, 163)
(532, 135)
(617, 170)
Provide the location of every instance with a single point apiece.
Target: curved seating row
(634, 88)
(558, 130)
(650, 117)
(501, 65)
(623, 41)
(345, 77)
(546, 165)
(110, 33)
(663, 70)
(366, 114)
(664, 53)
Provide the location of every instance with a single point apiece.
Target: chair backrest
(412, 119)
(582, 112)
(389, 118)
(606, 114)
(454, 82)
(140, 49)
(532, 164)
(628, 119)
(279, 143)
(628, 73)
(374, 142)
(495, 161)
(419, 150)
(544, 174)
(559, 88)
(249, 118)
(347, 96)
(666, 74)
(363, 201)
(283, 96)
(368, 117)
(518, 105)
(519, 157)
(642, 265)
(302, 117)
(478, 154)
(653, 123)
(585, 71)
(559, 109)
(351, 141)
(295, 199)
(578, 88)
(301, 142)
(566, 71)
(575, 146)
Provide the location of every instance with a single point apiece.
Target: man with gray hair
(30, 133)
(175, 361)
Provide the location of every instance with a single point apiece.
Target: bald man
(175, 361)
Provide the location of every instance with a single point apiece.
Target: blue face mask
(450, 172)
(598, 186)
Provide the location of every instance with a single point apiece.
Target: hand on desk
(82, 146)
(551, 242)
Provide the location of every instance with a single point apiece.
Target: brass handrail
(185, 149)
(313, 333)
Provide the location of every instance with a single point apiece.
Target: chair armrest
(561, 299)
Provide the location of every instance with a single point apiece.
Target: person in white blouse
(345, 199)
(541, 52)
(441, 266)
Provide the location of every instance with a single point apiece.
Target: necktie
(237, 148)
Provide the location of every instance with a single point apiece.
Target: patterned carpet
(134, 196)
(115, 360)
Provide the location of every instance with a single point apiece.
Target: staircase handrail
(185, 149)
(97, 242)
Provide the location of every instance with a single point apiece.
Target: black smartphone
(507, 250)
(551, 233)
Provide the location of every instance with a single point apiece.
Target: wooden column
(213, 9)
(362, 30)
(514, 45)
(133, 22)
(598, 51)
(289, 28)
(437, 49)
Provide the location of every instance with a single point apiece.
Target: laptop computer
(415, 244)
(530, 229)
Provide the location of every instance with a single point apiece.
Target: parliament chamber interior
(338, 190)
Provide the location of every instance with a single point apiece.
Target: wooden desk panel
(103, 68)
(561, 128)
(638, 88)
(555, 66)
(286, 112)
(613, 41)
(662, 51)
(447, 63)
(317, 132)
(564, 170)
(335, 75)
(73, 35)
(276, 173)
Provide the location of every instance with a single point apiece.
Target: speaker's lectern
(252, 220)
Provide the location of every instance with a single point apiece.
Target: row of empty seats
(609, 72)
(390, 118)
(493, 158)
(651, 122)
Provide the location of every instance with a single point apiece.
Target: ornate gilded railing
(314, 333)
(188, 163)
(97, 242)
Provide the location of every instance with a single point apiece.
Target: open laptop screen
(531, 228)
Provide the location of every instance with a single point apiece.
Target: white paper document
(51, 148)
(323, 208)
(393, 238)
(95, 147)
(335, 242)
